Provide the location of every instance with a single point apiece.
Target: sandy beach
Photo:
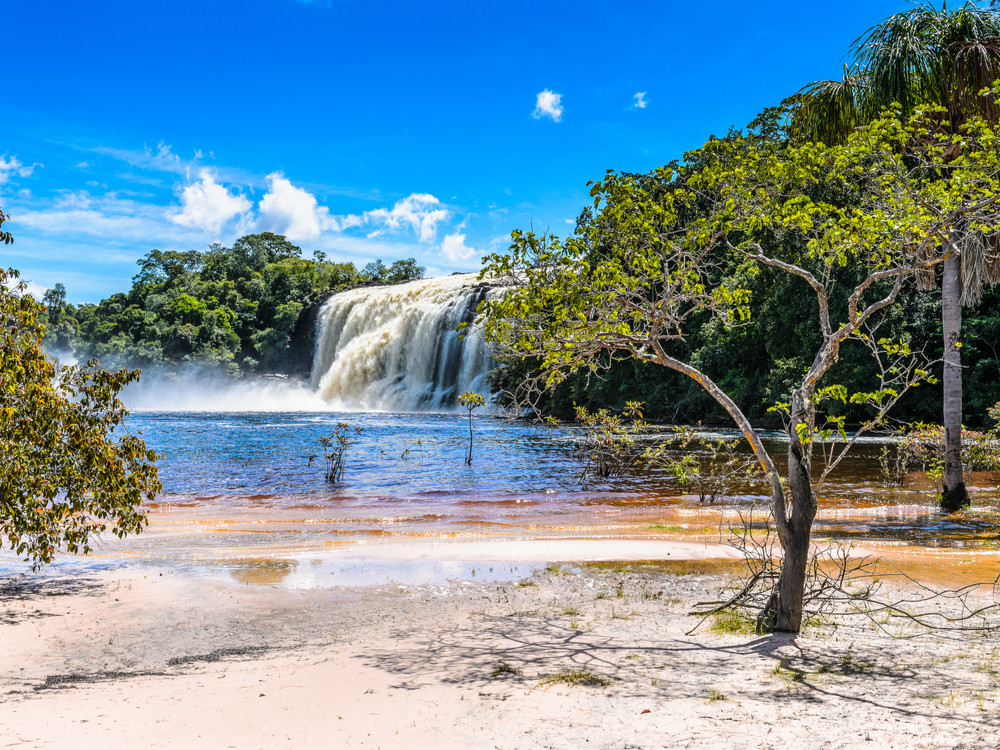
(125, 654)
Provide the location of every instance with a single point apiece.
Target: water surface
(238, 482)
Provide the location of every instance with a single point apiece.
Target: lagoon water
(247, 484)
(245, 498)
(243, 471)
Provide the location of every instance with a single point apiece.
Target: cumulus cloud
(10, 166)
(639, 100)
(35, 290)
(454, 248)
(420, 212)
(293, 211)
(548, 104)
(206, 204)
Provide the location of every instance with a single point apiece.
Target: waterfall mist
(195, 389)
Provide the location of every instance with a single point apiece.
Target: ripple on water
(229, 477)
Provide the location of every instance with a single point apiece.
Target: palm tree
(926, 56)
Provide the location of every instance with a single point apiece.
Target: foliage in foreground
(70, 469)
(844, 586)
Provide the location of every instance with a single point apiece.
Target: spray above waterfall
(395, 348)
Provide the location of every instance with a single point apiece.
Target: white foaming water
(395, 348)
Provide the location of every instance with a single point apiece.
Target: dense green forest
(244, 309)
(250, 308)
(236, 309)
(758, 362)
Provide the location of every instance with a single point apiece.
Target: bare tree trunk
(954, 496)
(468, 460)
(783, 612)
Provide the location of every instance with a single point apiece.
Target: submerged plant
(471, 401)
(610, 445)
(714, 473)
(920, 445)
(335, 447)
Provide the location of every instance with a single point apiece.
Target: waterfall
(395, 348)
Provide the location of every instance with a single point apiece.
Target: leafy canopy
(240, 308)
(69, 467)
(659, 259)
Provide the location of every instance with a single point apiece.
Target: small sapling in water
(335, 447)
(470, 401)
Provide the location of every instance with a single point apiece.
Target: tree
(924, 56)
(404, 270)
(68, 467)
(5, 237)
(471, 401)
(166, 267)
(375, 271)
(54, 299)
(257, 250)
(632, 281)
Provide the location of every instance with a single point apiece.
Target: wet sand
(124, 653)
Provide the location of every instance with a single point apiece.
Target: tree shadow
(28, 590)
(502, 652)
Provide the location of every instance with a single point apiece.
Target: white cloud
(208, 205)
(455, 250)
(548, 104)
(639, 100)
(73, 199)
(163, 159)
(293, 211)
(29, 287)
(10, 166)
(82, 165)
(419, 211)
(35, 290)
(79, 227)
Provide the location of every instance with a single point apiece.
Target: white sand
(127, 657)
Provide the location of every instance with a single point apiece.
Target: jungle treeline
(758, 361)
(249, 308)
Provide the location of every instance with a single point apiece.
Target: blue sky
(365, 129)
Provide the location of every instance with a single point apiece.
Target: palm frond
(976, 67)
(827, 111)
(980, 265)
(901, 61)
(928, 57)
